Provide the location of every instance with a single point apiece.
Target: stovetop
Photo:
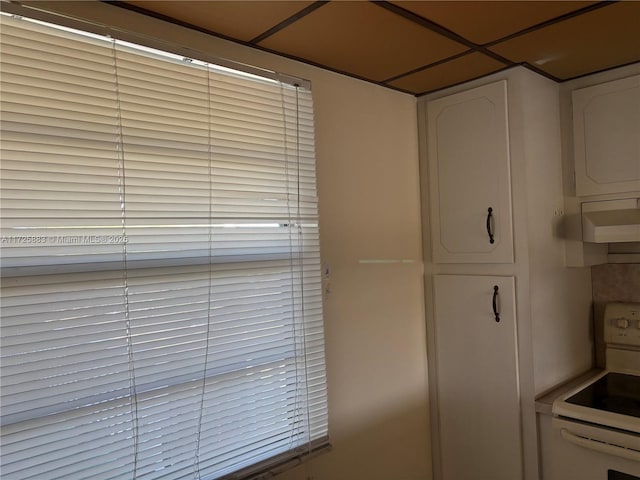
(611, 398)
(614, 392)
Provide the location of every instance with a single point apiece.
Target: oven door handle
(600, 446)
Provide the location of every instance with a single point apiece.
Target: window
(162, 313)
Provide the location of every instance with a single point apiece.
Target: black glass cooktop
(615, 392)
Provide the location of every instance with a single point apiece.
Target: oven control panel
(622, 324)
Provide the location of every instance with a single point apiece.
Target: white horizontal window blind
(161, 297)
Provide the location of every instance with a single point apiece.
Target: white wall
(367, 162)
(560, 297)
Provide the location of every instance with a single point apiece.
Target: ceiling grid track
(457, 49)
(547, 23)
(294, 18)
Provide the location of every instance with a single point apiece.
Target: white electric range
(596, 426)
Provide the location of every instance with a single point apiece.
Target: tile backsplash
(616, 282)
(612, 282)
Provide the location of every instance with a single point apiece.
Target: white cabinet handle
(600, 446)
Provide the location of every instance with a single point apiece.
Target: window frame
(284, 460)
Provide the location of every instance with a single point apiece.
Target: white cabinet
(478, 392)
(470, 196)
(606, 134)
(484, 374)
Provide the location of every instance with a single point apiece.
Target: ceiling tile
(362, 39)
(597, 40)
(449, 73)
(483, 22)
(242, 20)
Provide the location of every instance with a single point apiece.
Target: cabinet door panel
(477, 378)
(469, 173)
(606, 132)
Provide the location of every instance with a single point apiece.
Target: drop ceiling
(422, 46)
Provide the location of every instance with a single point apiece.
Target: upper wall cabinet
(606, 133)
(469, 177)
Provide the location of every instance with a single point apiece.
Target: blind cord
(290, 226)
(301, 265)
(196, 459)
(300, 338)
(133, 391)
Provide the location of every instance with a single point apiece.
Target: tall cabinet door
(477, 378)
(469, 176)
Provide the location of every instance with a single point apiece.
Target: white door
(469, 176)
(477, 378)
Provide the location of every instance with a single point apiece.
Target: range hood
(611, 221)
